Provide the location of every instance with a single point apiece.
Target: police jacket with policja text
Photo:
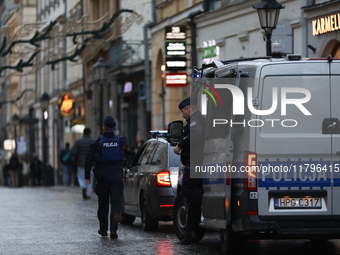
(113, 160)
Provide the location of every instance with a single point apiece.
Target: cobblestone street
(57, 220)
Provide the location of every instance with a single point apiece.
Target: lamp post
(162, 94)
(44, 101)
(268, 11)
(15, 121)
(102, 70)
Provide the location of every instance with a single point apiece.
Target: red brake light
(250, 171)
(163, 178)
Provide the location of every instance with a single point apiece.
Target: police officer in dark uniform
(107, 152)
(193, 133)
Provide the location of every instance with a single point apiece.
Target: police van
(272, 148)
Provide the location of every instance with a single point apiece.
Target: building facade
(172, 19)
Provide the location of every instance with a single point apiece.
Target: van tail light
(250, 171)
(227, 180)
(163, 178)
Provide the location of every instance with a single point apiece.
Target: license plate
(291, 203)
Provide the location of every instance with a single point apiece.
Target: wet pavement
(57, 220)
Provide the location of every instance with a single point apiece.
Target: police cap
(187, 101)
(109, 122)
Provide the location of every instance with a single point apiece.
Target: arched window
(333, 48)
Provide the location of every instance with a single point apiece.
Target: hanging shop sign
(176, 63)
(175, 48)
(77, 125)
(326, 24)
(66, 103)
(175, 33)
(176, 79)
(210, 51)
(9, 144)
(128, 87)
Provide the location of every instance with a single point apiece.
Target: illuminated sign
(77, 122)
(66, 103)
(78, 128)
(128, 87)
(176, 79)
(327, 24)
(175, 33)
(210, 51)
(173, 64)
(175, 48)
(9, 144)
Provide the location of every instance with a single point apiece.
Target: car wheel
(148, 223)
(231, 242)
(126, 219)
(179, 216)
(180, 219)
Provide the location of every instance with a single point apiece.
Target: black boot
(102, 233)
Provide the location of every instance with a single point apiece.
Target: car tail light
(250, 169)
(163, 178)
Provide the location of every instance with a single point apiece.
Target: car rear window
(147, 153)
(158, 156)
(173, 158)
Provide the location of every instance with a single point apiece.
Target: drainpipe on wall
(146, 57)
(192, 24)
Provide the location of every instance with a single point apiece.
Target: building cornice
(176, 19)
(320, 10)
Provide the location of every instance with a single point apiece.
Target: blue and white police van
(271, 165)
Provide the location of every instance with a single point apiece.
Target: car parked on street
(150, 183)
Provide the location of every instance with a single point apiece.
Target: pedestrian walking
(14, 166)
(79, 152)
(65, 158)
(107, 152)
(36, 168)
(7, 175)
(192, 189)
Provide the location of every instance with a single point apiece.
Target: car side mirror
(175, 131)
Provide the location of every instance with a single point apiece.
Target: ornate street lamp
(15, 121)
(44, 102)
(162, 94)
(268, 11)
(101, 69)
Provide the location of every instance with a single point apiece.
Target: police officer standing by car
(107, 152)
(193, 133)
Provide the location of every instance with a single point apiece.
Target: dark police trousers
(192, 191)
(109, 189)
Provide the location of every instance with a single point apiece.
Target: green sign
(209, 52)
(175, 48)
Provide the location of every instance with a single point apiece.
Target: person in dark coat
(36, 168)
(7, 175)
(79, 152)
(191, 148)
(107, 152)
(65, 159)
(14, 166)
